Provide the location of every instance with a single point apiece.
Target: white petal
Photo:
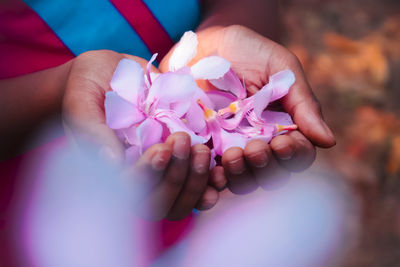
(212, 67)
(185, 50)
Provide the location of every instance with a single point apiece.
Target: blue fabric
(176, 16)
(85, 25)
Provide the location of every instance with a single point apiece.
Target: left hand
(255, 58)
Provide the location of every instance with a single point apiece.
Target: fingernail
(284, 153)
(236, 166)
(259, 160)
(159, 161)
(181, 147)
(200, 161)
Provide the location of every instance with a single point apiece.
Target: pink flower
(209, 68)
(278, 86)
(144, 108)
(228, 127)
(141, 112)
(221, 139)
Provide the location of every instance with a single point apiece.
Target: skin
(256, 58)
(76, 91)
(181, 171)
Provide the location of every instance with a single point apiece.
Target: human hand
(255, 58)
(173, 178)
(181, 172)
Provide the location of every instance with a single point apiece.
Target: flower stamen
(208, 113)
(281, 128)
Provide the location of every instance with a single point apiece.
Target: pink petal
(132, 154)
(264, 132)
(183, 70)
(148, 68)
(220, 99)
(195, 118)
(128, 80)
(213, 162)
(232, 123)
(232, 139)
(171, 87)
(261, 100)
(176, 125)
(254, 120)
(280, 83)
(149, 133)
(119, 112)
(200, 94)
(131, 136)
(223, 140)
(230, 82)
(268, 131)
(275, 117)
(212, 67)
(180, 108)
(249, 131)
(185, 50)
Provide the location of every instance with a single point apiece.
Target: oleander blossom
(144, 108)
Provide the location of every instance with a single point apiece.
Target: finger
(240, 179)
(195, 184)
(263, 165)
(154, 160)
(293, 151)
(271, 176)
(208, 199)
(305, 109)
(148, 171)
(162, 198)
(257, 154)
(217, 178)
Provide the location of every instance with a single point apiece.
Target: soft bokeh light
(80, 214)
(302, 223)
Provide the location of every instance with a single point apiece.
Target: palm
(255, 58)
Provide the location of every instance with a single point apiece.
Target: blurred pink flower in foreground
(144, 108)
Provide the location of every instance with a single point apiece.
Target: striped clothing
(39, 34)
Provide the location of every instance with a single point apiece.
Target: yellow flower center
(281, 128)
(208, 113)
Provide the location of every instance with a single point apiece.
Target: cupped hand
(179, 172)
(173, 176)
(255, 58)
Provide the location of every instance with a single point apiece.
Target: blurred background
(351, 53)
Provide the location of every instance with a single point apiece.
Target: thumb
(306, 112)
